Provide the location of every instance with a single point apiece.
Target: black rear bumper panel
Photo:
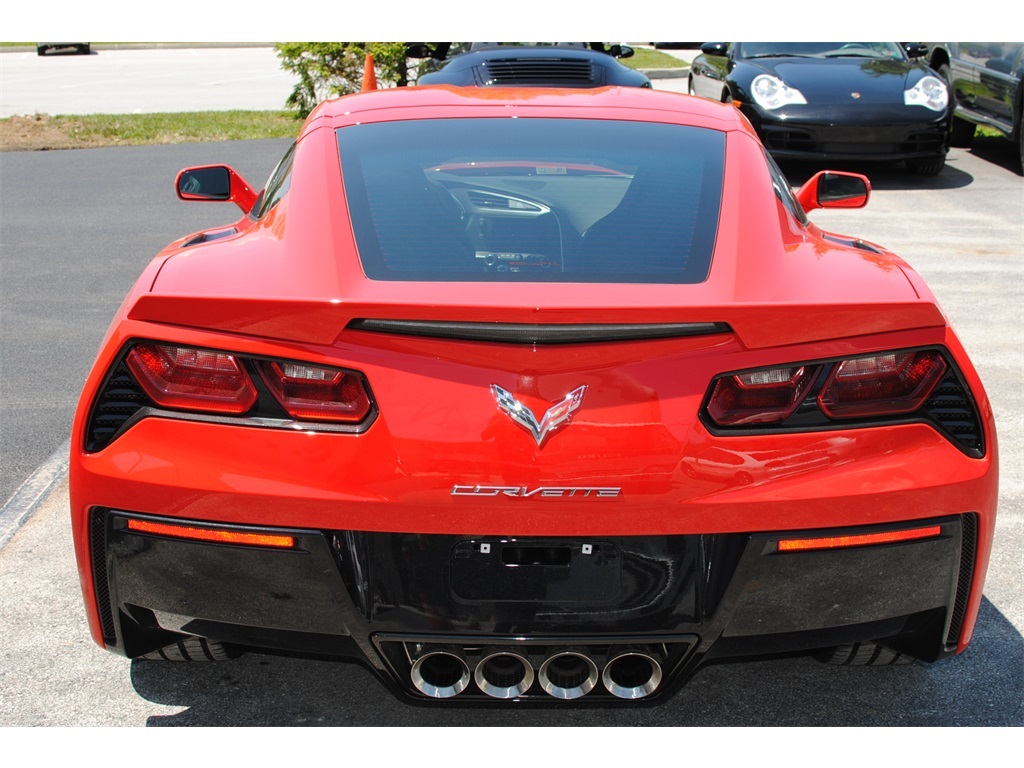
(669, 603)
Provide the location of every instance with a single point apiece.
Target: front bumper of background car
(818, 134)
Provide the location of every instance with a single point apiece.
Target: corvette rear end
(549, 397)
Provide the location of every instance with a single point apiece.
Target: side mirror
(215, 184)
(834, 189)
(621, 51)
(915, 50)
(418, 51)
(714, 49)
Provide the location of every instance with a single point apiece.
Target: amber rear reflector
(859, 540)
(217, 535)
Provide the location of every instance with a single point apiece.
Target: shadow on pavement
(888, 176)
(895, 176)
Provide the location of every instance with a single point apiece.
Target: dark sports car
(564, 65)
(833, 101)
(987, 85)
(531, 395)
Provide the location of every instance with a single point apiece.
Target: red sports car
(531, 395)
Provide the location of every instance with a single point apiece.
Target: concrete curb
(33, 492)
(667, 74)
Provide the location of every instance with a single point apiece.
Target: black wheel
(1020, 125)
(862, 655)
(85, 49)
(40, 50)
(193, 649)
(1020, 145)
(928, 167)
(961, 132)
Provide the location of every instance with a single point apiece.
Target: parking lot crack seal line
(30, 496)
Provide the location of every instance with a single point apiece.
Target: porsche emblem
(555, 416)
(855, 95)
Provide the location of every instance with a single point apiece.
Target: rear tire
(929, 167)
(862, 655)
(1020, 142)
(193, 649)
(961, 132)
(1020, 132)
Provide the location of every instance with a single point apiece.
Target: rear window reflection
(538, 200)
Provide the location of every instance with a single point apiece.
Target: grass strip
(35, 132)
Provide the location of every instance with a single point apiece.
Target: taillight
(313, 393)
(881, 385)
(894, 386)
(767, 396)
(192, 379)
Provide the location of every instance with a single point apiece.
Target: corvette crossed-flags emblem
(555, 416)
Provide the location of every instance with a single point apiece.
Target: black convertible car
(833, 101)
(563, 65)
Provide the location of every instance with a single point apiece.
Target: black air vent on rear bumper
(580, 73)
(968, 551)
(98, 549)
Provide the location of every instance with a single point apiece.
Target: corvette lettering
(525, 491)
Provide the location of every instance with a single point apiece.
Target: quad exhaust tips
(504, 674)
(441, 672)
(631, 674)
(568, 674)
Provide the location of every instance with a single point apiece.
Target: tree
(327, 70)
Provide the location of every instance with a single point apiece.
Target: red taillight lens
(767, 396)
(192, 379)
(317, 394)
(881, 385)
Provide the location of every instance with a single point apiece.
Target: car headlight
(771, 93)
(929, 92)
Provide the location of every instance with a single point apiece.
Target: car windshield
(532, 199)
(820, 50)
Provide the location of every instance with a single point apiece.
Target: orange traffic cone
(369, 74)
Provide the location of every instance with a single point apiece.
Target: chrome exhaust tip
(568, 674)
(504, 674)
(440, 673)
(632, 674)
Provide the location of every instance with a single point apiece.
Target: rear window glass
(531, 199)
